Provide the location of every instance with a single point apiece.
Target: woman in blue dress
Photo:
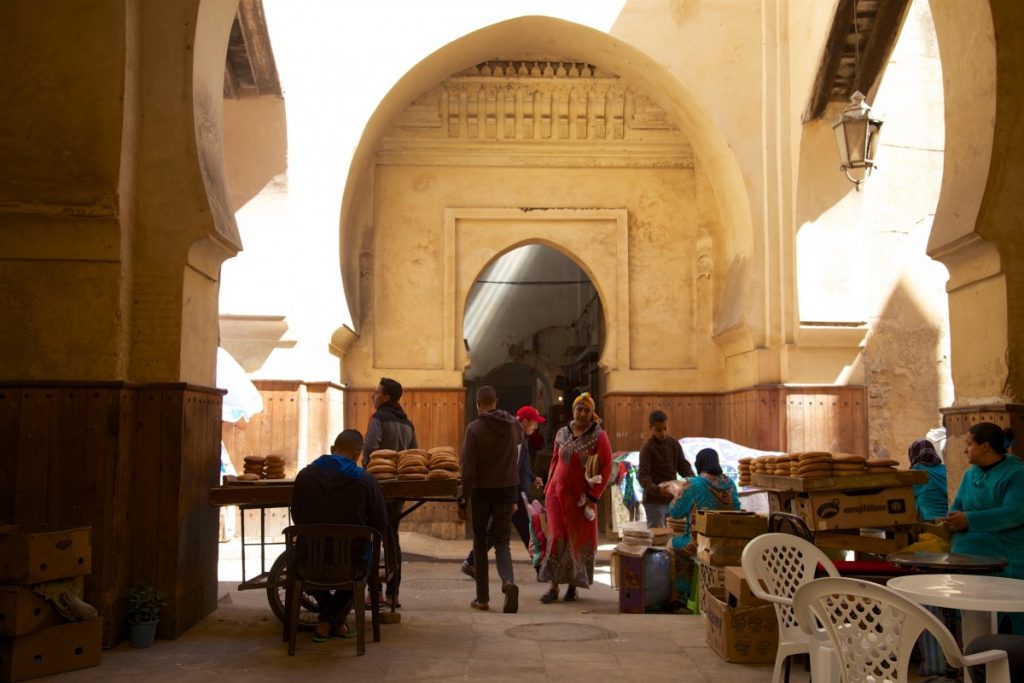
(987, 515)
(930, 498)
(709, 490)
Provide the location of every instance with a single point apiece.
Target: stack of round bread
(848, 465)
(881, 466)
(273, 467)
(252, 465)
(813, 465)
(383, 464)
(412, 464)
(744, 465)
(444, 463)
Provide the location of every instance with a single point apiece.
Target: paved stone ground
(440, 639)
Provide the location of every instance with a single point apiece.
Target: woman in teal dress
(987, 515)
(930, 498)
(709, 490)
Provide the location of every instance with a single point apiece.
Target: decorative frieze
(539, 102)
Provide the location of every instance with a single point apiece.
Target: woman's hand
(955, 521)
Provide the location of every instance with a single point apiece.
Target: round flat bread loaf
(413, 469)
(441, 449)
(445, 465)
(848, 457)
(880, 462)
(381, 466)
(413, 462)
(808, 455)
(249, 477)
(386, 453)
(384, 476)
(254, 458)
(412, 451)
(412, 477)
(442, 474)
(817, 468)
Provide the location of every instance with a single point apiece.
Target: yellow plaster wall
(649, 292)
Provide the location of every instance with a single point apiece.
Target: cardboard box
(740, 634)
(730, 523)
(737, 590)
(22, 611)
(67, 647)
(629, 576)
(719, 551)
(823, 510)
(875, 545)
(34, 553)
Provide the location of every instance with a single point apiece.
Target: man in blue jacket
(333, 489)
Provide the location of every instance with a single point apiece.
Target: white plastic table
(978, 598)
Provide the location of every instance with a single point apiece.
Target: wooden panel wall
(299, 421)
(765, 417)
(439, 417)
(135, 464)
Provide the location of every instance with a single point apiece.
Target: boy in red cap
(529, 418)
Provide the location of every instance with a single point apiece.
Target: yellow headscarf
(586, 398)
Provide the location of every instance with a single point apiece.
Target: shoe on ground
(570, 594)
(549, 597)
(482, 606)
(468, 569)
(511, 592)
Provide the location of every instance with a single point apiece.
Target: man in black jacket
(333, 489)
(390, 428)
(490, 480)
(661, 459)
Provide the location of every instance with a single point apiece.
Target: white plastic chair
(873, 630)
(775, 566)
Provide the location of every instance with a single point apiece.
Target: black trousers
(492, 523)
(334, 606)
(394, 512)
(521, 522)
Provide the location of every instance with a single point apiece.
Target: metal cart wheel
(277, 588)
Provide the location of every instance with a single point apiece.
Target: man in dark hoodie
(490, 481)
(661, 459)
(333, 489)
(390, 428)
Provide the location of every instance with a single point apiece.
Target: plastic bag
(657, 578)
(928, 543)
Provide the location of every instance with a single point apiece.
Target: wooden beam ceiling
(250, 70)
(859, 45)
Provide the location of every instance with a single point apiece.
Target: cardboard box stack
(34, 639)
(721, 537)
(740, 627)
(629, 564)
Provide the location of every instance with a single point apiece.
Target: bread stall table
(837, 508)
(265, 494)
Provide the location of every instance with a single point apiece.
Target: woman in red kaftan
(571, 497)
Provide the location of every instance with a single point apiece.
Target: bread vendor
(392, 429)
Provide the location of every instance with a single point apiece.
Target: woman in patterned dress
(581, 467)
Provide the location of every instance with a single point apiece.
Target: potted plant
(144, 605)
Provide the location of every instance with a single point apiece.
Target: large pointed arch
(543, 36)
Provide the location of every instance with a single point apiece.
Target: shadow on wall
(903, 362)
(255, 147)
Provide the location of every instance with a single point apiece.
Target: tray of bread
(414, 464)
(820, 470)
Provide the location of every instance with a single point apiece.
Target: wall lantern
(857, 137)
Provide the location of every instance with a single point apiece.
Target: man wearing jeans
(490, 482)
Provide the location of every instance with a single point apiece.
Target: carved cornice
(521, 109)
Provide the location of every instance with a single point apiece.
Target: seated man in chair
(333, 489)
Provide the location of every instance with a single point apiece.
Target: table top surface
(949, 562)
(962, 591)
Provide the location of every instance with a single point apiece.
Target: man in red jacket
(490, 479)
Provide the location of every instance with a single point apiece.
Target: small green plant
(144, 604)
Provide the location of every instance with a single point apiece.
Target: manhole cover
(438, 585)
(560, 631)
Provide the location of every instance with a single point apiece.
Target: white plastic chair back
(775, 566)
(874, 630)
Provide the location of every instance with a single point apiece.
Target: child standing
(661, 459)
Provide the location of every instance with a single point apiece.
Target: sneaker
(511, 592)
(468, 569)
(482, 606)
